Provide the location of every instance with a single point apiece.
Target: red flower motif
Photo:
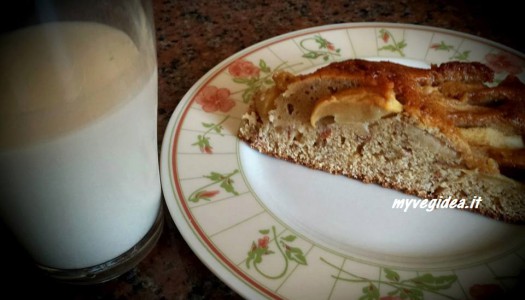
(385, 37)
(390, 298)
(242, 68)
(330, 46)
(207, 149)
(504, 62)
(263, 242)
(213, 99)
(206, 194)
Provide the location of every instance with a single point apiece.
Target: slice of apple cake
(434, 133)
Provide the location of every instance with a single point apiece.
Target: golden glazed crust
(449, 96)
(454, 136)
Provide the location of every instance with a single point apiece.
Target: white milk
(78, 156)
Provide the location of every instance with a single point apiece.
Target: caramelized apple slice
(487, 136)
(359, 104)
(265, 101)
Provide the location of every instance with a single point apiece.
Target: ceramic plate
(272, 229)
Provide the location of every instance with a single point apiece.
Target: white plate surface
(272, 229)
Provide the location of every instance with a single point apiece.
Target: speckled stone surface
(194, 36)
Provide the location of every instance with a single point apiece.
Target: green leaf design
(224, 181)
(325, 48)
(227, 185)
(253, 83)
(203, 141)
(214, 176)
(394, 46)
(248, 94)
(370, 292)
(431, 282)
(264, 67)
(263, 246)
(391, 275)
(259, 252)
(296, 254)
(442, 46)
(251, 255)
(321, 41)
(242, 80)
(289, 238)
(391, 48)
(461, 56)
(311, 55)
(205, 195)
(415, 288)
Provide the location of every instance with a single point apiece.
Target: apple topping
(487, 136)
(359, 104)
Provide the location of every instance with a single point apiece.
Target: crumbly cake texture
(455, 135)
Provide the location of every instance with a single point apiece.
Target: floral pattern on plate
(227, 225)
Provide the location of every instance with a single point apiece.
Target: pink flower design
(242, 68)
(504, 62)
(213, 99)
(207, 194)
(263, 242)
(207, 149)
(385, 37)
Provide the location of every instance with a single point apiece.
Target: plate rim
(227, 271)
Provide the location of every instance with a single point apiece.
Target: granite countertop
(193, 37)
